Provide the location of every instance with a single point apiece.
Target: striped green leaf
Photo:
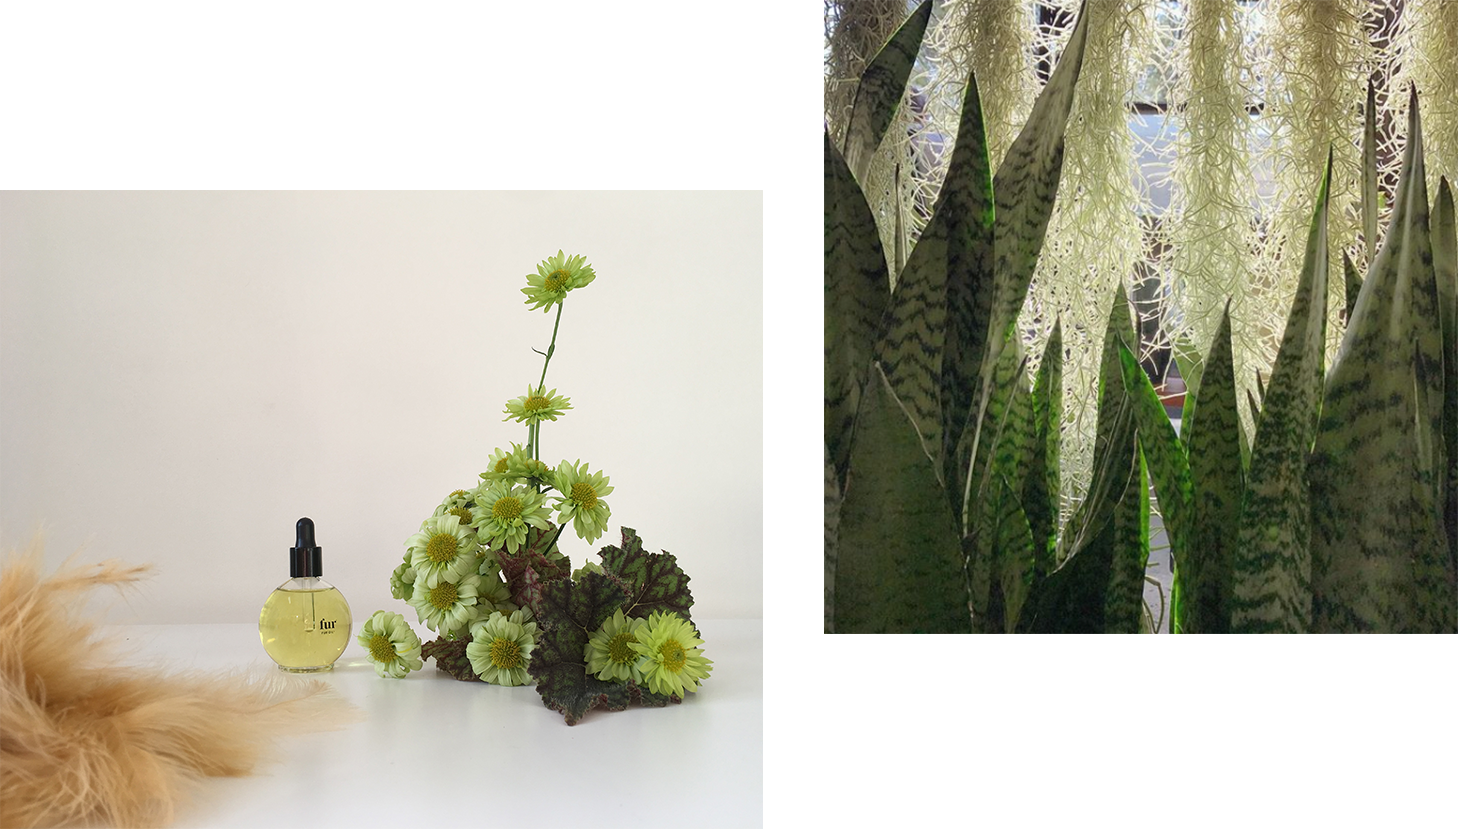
(899, 564)
(1014, 554)
(1124, 597)
(1006, 460)
(1040, 484)
(1024, 188)
(1113, 435)
(1354, 284)
(1379, 558)
(1096, 590)
(1445, 271)
(1271, 570)
(1191, 365)
(832, 534)
(879, 93)
(1167, 465)
(857, 290)
(964, 214)
(1217, 480)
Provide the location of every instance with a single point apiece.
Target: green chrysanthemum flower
(501, 648)
(393, 647)
(587, 567)
(443, 549)
(448, 606)
(554, 278)
(531, 471)
(609, 649)
(458, 498)
(498, 466)
(506, 511)
(402, 582)
(582, 500)
(536, 405)
(669, 653)
(493, 594)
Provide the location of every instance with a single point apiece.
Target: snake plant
(1339, 512)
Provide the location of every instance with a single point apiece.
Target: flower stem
(553, 347)
(536, 429)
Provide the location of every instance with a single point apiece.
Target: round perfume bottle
(305, 623)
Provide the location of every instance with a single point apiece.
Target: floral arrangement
(484, 572)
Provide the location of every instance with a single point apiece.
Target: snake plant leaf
(857, 290)
(1445, 271)
(1167, 464)
(1212, 432)
(1014, 555)
(989, 513)
(1369, 184)
(1096, 589)
(880, 91)
(1354, 284)
(1124, 598)
(832, 534)
(1191, 365)
(964, 213)
(1040, 484)
(1378, 554)
(1271, 570)
(1007, 434)
(1113, 434)
(899, 568)
(1024, 188)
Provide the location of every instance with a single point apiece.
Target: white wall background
(184, 375)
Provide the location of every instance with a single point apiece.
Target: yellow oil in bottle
(305, 625)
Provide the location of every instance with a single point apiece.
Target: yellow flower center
(584, 495)
(505, 653)
(506, 508)
(672, 655)
(536, 403)
(381, 648)
(618, 650)
(444, 596)
(441, 548)
(463, 514)
(460, 493)
(556, 280)
(500, 466)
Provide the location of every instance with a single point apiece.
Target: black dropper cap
(304, 558)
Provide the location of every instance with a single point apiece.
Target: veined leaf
(1212, 433)
(879, 93)
(1271, 572)
(857, 290)
(965, 214)
(1378, 556)
(1007, 433)
(899, 568)
(832, 534)
(1369, 183)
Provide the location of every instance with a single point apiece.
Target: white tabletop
(435, 751)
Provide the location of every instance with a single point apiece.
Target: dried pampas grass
(82, 739)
